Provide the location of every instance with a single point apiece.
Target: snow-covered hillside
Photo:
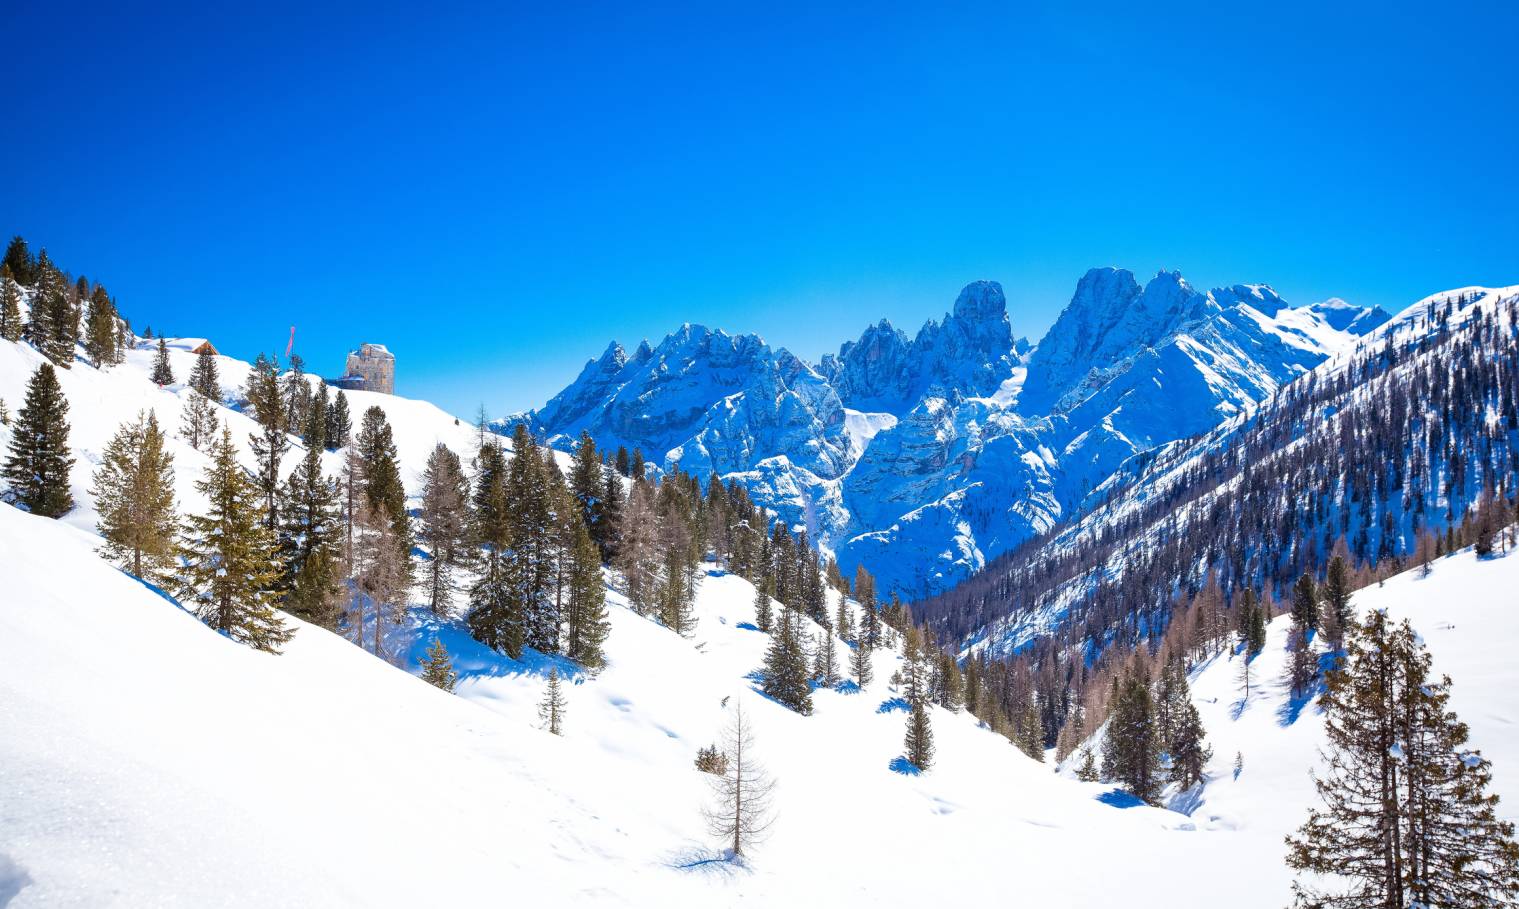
(149, 761)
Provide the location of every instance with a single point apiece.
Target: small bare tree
(740, 813)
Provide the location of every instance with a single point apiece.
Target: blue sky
(496, 194)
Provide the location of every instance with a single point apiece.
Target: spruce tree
(763, 617)
(528, 565)
(197, 420)
(1305, 604)
(437, 668)
(1406, 818)
(204, 378)
(10, 306)
(551, 709)
(825, 667)
(310, 542)
(100, 330)
(588, 485)
(19, 262)
(1336, 595)
(1087, 771)
(859, 665)
(785, 673)
(163, 373)
(340, 423)
(134, 494)
(1131, 750)
(586, 625)
(382, 470)
(230, 564)
(444, 523)
(919, 742)
(39, 462)
(1189, 754)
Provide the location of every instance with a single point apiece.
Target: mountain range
(951, 446)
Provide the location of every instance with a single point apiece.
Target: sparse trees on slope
(740, 812)
(39, 461)
(1406, 817)
(229, 557)
(437, 668)
(134, 493)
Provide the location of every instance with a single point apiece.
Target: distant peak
(981, 300)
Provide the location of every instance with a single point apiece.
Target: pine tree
(5, 414)
(20, 263)
(310, 545)
(1305, 604)
(197, 421)
(825, 667)
(297, 394)
(763, 617)
(339, 423)
(588, 485)
(586, 625)
(39, 462)
(1087, 771)
(134, 494)
(229, 556)
(10, 306)
(51, 327)
(859, 665)
(1406, 818)
(785, 672)
(382, 470)
(444, 523)
(100, 330)
(437, 668)
(1189, 756)
(204, 378)
(528, 563)
(1336, 595)
(1302, 663)
(163, 373)
(740, 813)
(551, 709)
(843, 617)
(919, 742)
(710, 760)
(1131, 751)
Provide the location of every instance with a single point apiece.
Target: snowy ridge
(989, 442)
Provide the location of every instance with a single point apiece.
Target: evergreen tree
(1336, 594)
(785, 672)
(340, 423)
(100, 330)
(296, 394)
(134, 493)
(444, 524)
(710, 760)
(859, 665)
(38, 465)
(763, 617)
(551, 710)
(314, 423)
(5, 414)
(20, 263)
(588, 485)
(528, 562)
(382, 470)
(843, 617)
(1189, 755)
(611, 517)
(1406, 817)
(51, 327)
(1305, 604)
(919, 743)
(1087, 771)
(1130, 751)
(1302, 663)
(229, 556)
(204, 378)
(197, 421)
(586, 625)
(163, 373)
(309, 542)
(621, 461)
(636, 470)
(10, 306)
(437, 668)
(270, 445)
(825, 667)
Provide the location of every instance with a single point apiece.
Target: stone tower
(375, 366)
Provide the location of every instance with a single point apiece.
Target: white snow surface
(147, 761)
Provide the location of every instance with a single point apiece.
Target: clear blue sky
(497, 194)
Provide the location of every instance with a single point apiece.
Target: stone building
(370, 368)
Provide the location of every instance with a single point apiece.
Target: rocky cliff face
(923, 457)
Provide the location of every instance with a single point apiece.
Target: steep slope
(942, 449)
